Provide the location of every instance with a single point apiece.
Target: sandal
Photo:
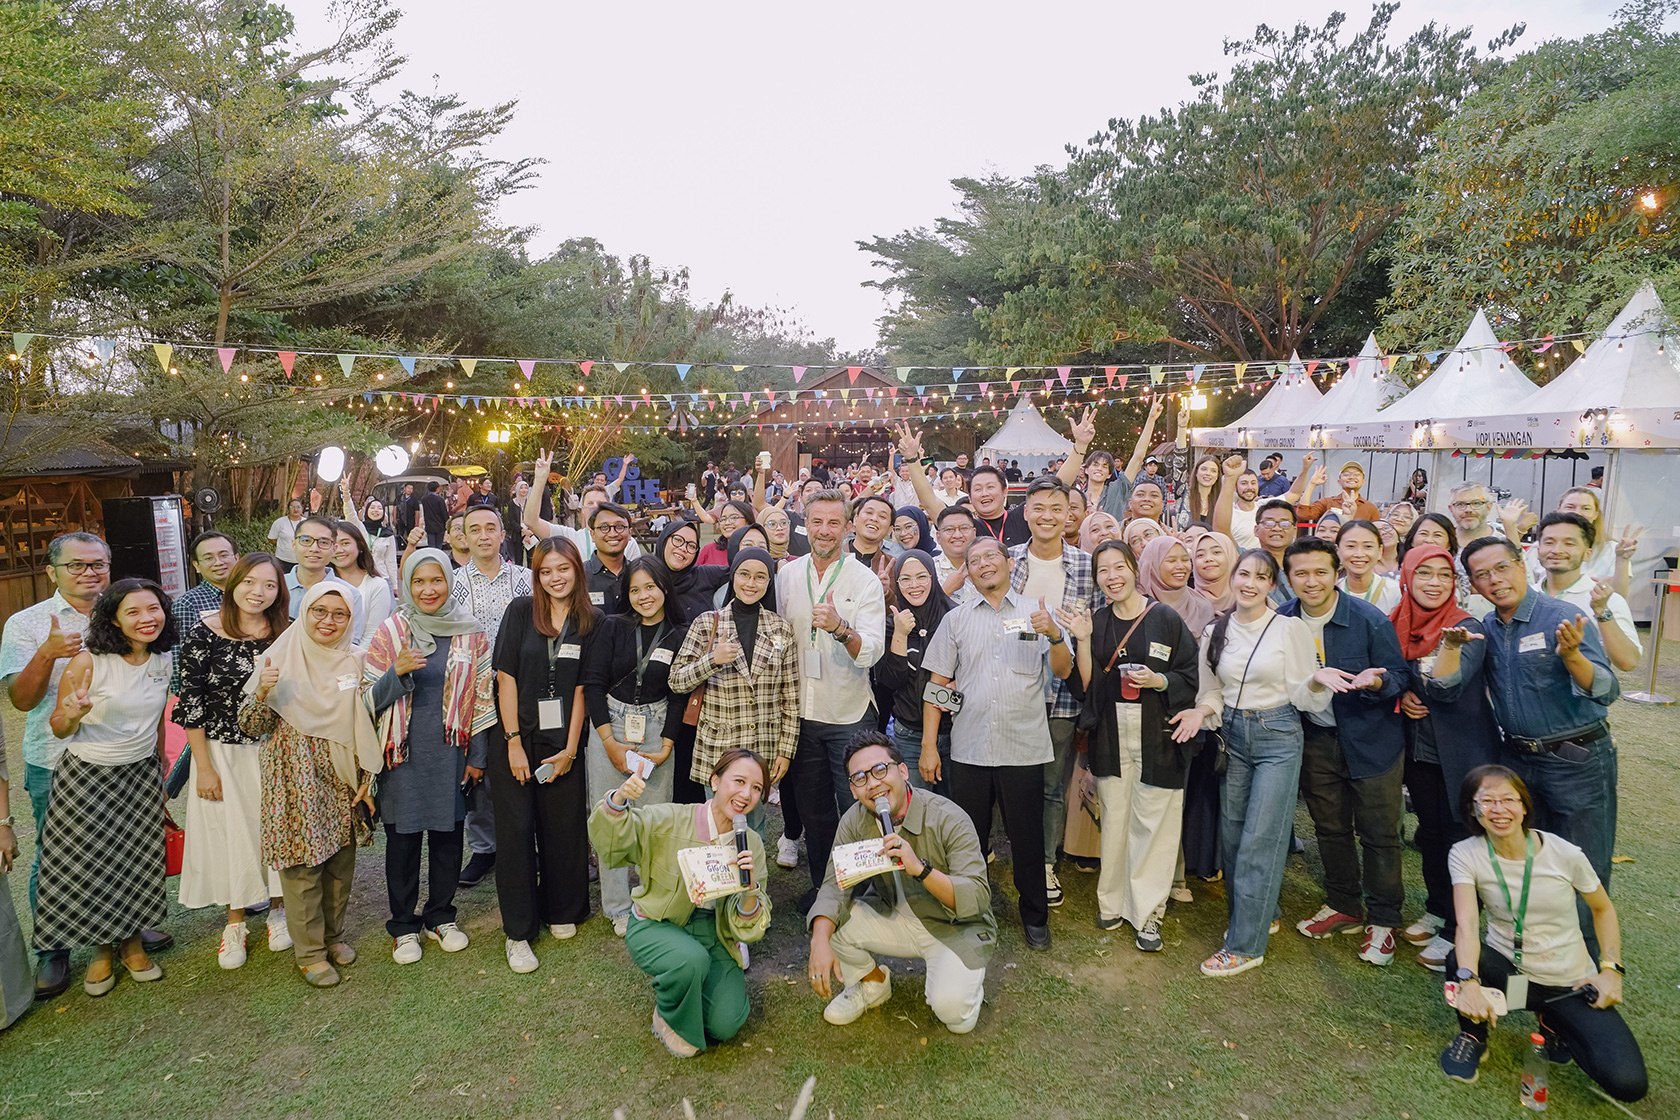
(341, 953)
(104, 961)
(321, 974)
(139, 965)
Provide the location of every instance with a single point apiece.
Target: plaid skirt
(102, 863)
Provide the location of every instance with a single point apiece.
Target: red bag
(174, 845)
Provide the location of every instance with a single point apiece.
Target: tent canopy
(1366, 387)
(1632, 365)
(1291, 396)
(1025, 434)
(1475, 379)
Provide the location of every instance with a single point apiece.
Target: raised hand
(1042, 622)
(824, 616)
(1600, 597)
(408, 661)
(1233, 465)
(60, 643)
(1156, 406)
(1455, 636)
(725, 651)
(1075, 622)
(632, 788)
(909, 444)
(1569, 636)
(1628, 542)
(903, 623)
(1320, 477)
(1083, 430)
(269, 678)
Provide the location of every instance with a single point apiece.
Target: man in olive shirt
(940, 903)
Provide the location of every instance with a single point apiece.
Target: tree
(1550, 195)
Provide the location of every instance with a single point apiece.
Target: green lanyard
(1517, 912)
(828, 585)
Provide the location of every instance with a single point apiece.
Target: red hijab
(1420, 629)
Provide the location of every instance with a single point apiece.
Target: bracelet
(6, 821)
(509, 736)
(621, 806)
(1603, 966)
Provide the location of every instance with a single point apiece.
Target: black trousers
(542, 847)
(1341, 807)
(684, 789)
(1019, 792)
(1599, 1039)
(1438, 830)
(402, 878)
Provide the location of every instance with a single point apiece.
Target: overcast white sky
(757, 142)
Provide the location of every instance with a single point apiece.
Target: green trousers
(699, 989)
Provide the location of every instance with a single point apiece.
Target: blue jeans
(819, 782)
(1574, 790)
(1258, 814)
(37, 780)
(909, 743)
(1058, 772)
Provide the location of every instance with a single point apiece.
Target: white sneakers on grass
(787, 852)
(279, 937)
(449, 937)
(406, 949)
(232, 952)
(563, 931)
(519, 956)
(855, 999)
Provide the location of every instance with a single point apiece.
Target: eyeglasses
(311, 542)
(322, 614)
(876, 772)
(682, 544)
(1488, 803)
(613, 529)
(1277, 523)
(1470, 505)
(77, 567)
(1503, 568)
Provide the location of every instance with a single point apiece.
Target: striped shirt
(1078, 590)
(188, 612)
(1004, 678)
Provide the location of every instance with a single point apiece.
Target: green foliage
(1531, 201)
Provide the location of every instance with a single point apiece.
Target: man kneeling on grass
(938, 908)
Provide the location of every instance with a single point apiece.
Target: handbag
(1222, 756)
(174, 845)
(697, 698)
(1089, 718)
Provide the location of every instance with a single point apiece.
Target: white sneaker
(1052, 886)
(620, 925)
(449, 937)
(674, 1042)
(855, 999)
(787, 852)
(519, 956)
(1182, 893)
(563, 931)
(279, 937)
(1378, 946)
(1422, 931)
(1433, 956)
(406, 949)
(232, 953)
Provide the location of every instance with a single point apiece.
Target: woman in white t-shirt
(280, 533)
(1359, 547)
(1534, 951)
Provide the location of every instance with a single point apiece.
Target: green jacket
(940, 834)
(650, 838)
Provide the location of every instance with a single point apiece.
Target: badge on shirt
(551, 714)
(346, 682)
(635, 727)
(1531, 643)
(1161, 651)
(599, 598)
(663, 656)
(1020, 627)
(570, 649)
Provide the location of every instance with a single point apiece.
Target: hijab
(734, 546)
(924, 540)
(672, 530)
(309, 697)
(453, 618)
(937, 605)
(1196, 610)
(1094, 521)
(746, 615)
(1221, 594)
(1419, 628)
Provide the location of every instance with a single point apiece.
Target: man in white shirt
(955, 532)
(487, 584)
(839, 617)
(903, 491)
(1238, 505)
(950, 489)
(591, 498)
(1564, 542)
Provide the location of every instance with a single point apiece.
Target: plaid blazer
(757, 709)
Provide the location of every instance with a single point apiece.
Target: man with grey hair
(36, 645)
(1471, 504)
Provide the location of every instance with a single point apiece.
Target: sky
(755, 143)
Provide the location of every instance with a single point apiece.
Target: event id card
(635, 727)
(346, 682)
(1020, 627)
(810, 661)
(551, 714)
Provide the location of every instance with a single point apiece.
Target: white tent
(1365, 388)
(1633, 365)
(1292, 396)
(1025, 436)
(1475, 379)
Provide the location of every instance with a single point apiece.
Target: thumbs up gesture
(824, 616)
(1042, 622)
(59, 642)
(269, 678)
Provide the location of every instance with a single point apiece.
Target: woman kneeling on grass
(692, 952)
(1534, 952)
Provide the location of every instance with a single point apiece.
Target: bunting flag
(346, 362)
(1312, 365)
(1195, 374)
(1579, 344)
(1239, 369)
(1123, 378)
(956, 374)
(21, 341)
(408, 364)
(585, 367)
(798, 373)
(1157, 375)
(287, 359)
(106, 348)
(1009, 374)
(983, 385)
(683, 368)
(621, 366)
(163, 351)
(904, 373)
(1062, 374)
(737, 369)
(852, 373)
(1086, 382)
(527, 366)
(468, 365)
(226, 353)
(1109, 372)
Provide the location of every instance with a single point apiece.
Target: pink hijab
(1220, 594)
(1196, 610)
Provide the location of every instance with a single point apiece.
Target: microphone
(741, 845)
(883, 813)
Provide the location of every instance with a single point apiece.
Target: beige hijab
(309, 696)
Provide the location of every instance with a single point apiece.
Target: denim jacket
(1368, 729)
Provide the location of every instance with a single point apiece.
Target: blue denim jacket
(1368, 729)
(1534, 697)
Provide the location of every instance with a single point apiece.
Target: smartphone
(691, 492)
(544, 773)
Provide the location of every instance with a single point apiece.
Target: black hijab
(692, 584)
(734, 546)
(925, 540)
(746, 615)
(935, 608)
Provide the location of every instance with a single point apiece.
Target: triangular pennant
(163, 350)
(1015, 387)
(1047, 386)
(1123, 378)
(852, 373)
(226, 353)
(1009, 374)
(527, 366)
(1195, 373)
(957, 373)
(1239, 369)
(1312, 365)
(468, 365)
(585, 367)
(682, 370)
(1062, 373)
(904, 373)
(1109, 372)
(21, 341)
(1435, 355)
(799, 372)
(407, 362)
(845, 394)
(1579, 344)
(346, 362)
(921, 390)
(287, 359)
(106, 348)
(621, 366)
(1157, 375)
(1085, 381)
(983, 385)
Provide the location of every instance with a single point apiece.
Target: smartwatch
(1464, 976)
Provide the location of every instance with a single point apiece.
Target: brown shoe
(321, 974)
(341, 953)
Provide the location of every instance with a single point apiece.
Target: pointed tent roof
(1632, 365)
(1024, 432)
(1291, 397)
(1366, 387)
(1475, 379)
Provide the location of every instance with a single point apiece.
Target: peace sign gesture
(909, 444)
(1084, 429)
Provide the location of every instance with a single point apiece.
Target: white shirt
(128, 702)
(1384, 592)
(944, 570)
(1579, 595)
(950, 499)
(378, 601)
(833, 686)
(281, 533)
(488, 596)
(1242, 526)
(1046, 580)
(1554, 952)
(1315, 626)
(1281, 672)
(25, 632)
(904, 494)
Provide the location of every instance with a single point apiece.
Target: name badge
(635, 727)
(598, 597)
(1018, 626)
(800, 529)
(346, 682)
(570, 649)
(551, 714)
(1532, 643)
(663, 656)
(1160, 651)
(810, 662)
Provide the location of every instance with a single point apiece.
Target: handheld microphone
(741, 845)
(883, 813)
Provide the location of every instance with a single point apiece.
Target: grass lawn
(1090, 1029)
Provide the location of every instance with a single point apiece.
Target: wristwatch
(1603, 966)
(509, 736)
(927, 869)
(1464, 976)
(1606, 615)
(5, 822)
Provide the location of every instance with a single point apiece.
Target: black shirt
(1010, 527)
(522, 653)
(603, 584)
(437, 518)
(611, 671)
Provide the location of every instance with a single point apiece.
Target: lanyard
(828, 585)
(1517, 912)
(643, 659)
(1003, 523)
(554, 661)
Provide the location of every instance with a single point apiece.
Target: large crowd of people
(892, 654)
